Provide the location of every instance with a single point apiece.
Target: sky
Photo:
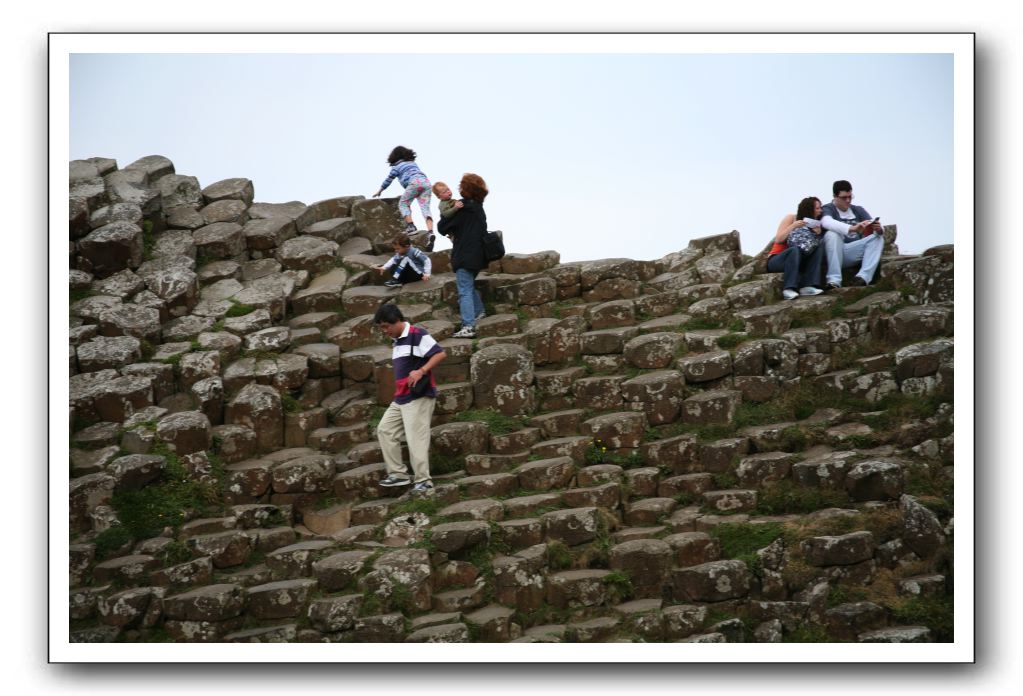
(594, 155)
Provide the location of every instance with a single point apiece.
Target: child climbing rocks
(417, 186)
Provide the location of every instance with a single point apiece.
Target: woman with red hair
(466, 230)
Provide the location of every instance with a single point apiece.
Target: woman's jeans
(470, 304)
(800, 270)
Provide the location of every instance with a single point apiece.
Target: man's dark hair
(401, 153)
(388, 314)
(839, 186)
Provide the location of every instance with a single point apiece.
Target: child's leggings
(418, 188)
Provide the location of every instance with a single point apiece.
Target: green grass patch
(738, 540)
(808, 633)
(725, 480)
(936, 613)
(145, 512)
(701, 324)
(558, 556)
(290, 404)
(148, 240)
(259, 355)
(785, 497)
(79, 295)
(374, 417)
(426, 505)
(446, 463)
(619, 586)
(844, 594)
(730, 340)
(497, 423)
(176, 552)
(109, 541)
(239, 309)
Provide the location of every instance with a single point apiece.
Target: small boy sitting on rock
(410, 264)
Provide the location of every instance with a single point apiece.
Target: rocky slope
(632, 450)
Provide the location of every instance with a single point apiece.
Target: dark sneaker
(392, 283)
(429, 241)
(832, 286)
(481, 315)
(422, 488)
(393, 480)
(857, 282)
(410, 228)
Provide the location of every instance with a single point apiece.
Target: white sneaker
(810, 290)
(789, 294)
(465, 332)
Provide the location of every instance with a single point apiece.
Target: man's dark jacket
(466, 229)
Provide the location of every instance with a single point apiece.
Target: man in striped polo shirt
(412, 409)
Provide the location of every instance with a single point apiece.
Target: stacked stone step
(590, 351)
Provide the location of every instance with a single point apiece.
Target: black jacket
(466, 229)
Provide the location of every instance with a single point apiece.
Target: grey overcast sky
(595, 155)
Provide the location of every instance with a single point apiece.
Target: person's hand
(796, 224)
(377, 194)
(379, 269)
(414, 377)
(426, 276)
(459, 204)
(875, 227)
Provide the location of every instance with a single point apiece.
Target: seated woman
(792, 253)
(466, 229)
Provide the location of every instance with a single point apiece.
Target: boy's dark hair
(401, 239)
(388, 314)
(839, 186)
(401, 153)
(805, 207)
(473, 187)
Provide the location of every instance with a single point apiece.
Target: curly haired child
(417, 186)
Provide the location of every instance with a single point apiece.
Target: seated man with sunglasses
(852, 238)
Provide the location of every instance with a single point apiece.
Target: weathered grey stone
(847, 621)
(334, 614)
(454, 537)
(176, 190)
(112, 248)
(716, 407)
(874, 479)
(706, 367)
(105, 352)
(185, 432)
(502, 376)
(577, 588)
(896, 634)
(308, 254)
(220, 240)
(211, 603)
(573, 526)
(921, 530)
(339, 570)
(846, 549)
(711, 582)
(259, 407)
(278, 600)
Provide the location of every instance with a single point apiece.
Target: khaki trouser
(410, 422)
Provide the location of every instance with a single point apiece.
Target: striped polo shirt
(407, 353)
